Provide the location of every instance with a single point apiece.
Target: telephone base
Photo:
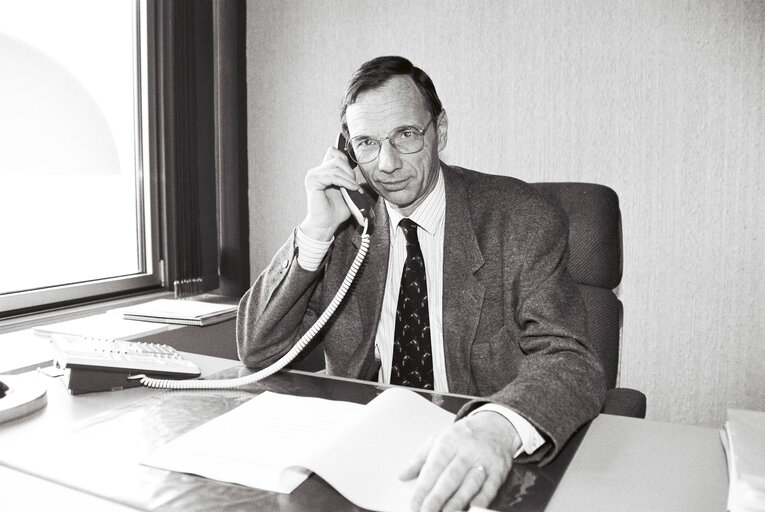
(90, 379)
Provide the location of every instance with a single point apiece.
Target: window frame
(151, 268)
(169, 30)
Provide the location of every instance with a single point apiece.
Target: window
(78, 217)
(122, 129)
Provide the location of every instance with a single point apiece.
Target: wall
(662, 101)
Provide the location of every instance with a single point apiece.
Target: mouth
(393, 186)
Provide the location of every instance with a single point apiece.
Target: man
(498, 315)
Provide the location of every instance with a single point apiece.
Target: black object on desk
(101, 455)
(21, 395)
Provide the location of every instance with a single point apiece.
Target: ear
(443, 128)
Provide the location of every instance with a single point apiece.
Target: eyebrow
(409, 125)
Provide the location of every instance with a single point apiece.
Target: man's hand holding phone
(326, 207)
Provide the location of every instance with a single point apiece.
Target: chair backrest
(595, 245)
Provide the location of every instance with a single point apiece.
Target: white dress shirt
(430, 217)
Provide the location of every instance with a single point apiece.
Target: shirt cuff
(531, 440)
(311, 252)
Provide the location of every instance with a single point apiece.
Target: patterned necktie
(412, 356)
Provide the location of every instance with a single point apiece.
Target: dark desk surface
(100, 454)
(85, 449)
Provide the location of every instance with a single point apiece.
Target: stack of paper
(180, 311)
(744, 441)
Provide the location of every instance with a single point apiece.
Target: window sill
(72, 312)
(21, 349)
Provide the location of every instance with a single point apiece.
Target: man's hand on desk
(464, 465)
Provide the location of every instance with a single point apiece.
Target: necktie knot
(409, 227)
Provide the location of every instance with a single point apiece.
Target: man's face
(403, 179)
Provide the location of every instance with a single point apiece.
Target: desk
(622, 463)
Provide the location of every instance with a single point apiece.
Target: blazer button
(285, 263)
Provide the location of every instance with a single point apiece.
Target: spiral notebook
(180, 311)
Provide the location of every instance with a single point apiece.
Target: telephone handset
(360, 202)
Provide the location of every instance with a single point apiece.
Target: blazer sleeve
(560, 383)
(277, 309)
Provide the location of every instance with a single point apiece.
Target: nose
(388, 160)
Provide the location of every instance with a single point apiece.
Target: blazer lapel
(462, 293)
(370, 281)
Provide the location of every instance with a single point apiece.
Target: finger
(346, 166)
(327, 176)
(415, 465)
(438, 460)
(338, 157)
(487, 492)
(447, 484)
(471, 485)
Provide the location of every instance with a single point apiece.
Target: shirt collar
(428, 215)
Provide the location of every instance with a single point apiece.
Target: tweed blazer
(514, 324)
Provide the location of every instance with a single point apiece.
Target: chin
(400, 199)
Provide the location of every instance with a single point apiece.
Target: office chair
(595, 243)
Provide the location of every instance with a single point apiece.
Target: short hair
(376, 72)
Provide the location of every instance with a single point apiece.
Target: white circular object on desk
(26, 394)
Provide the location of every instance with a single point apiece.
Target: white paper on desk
(273, 442)
(255, 444)
(363, 459)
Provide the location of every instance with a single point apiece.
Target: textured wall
(662, 101)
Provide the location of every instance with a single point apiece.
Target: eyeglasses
(405, 139)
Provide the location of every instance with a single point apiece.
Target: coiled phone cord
(286, 358)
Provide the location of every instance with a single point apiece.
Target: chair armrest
(625, 402)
